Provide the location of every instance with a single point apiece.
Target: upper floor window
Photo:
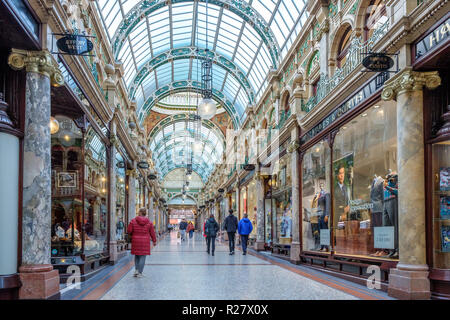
(343, 47)
(376, 16)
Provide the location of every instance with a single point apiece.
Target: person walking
(245, 227)
(141, 231)
(230, 226)
(183, 227)
(204, 234)
(211, 228)
(190, 229)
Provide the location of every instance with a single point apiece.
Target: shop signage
(378, 62)
(355, 100)
(434, 39)
(383, 237)
(75, 44)
(324, 237)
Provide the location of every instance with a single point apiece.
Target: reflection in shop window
(365, 184)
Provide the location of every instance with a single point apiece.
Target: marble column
(151, 213)
(259, 244)
(113, 255)
(39, 279)
(295, 167)
(409, 280)
(132, 192)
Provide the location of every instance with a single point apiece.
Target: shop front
(350, 186)
(431, 52)
(278, 203)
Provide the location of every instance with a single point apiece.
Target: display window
(243, 202)
(441, 205)
(67, 173)
(234, 202)
(119, 218)
(365, 184)
(96, 194)
(316, 198)
(252, 207)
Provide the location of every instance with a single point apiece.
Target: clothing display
(341, 200)
(377, 197)
(390, 211)
(286, 227)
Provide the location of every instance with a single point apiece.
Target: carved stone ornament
(114, 141)
(408, 81)
(36, 61)
(324, 28)
(293, 145)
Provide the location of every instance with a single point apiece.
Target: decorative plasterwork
(238, 7)
(191, 53)
(407, 81)
(36, 61)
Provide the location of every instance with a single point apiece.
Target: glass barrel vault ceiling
(172, 24)
(171, 148)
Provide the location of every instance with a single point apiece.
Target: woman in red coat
(141, 230)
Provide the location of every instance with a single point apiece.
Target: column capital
(293, 145)
(36, 61)
(408, 81)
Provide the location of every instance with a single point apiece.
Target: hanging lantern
(207, 108)
(54, 125)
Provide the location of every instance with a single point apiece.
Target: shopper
(211, 228)
(230, 226)
(183, 227)
(190, 229)
(245, 227)
(141, 231)
(204, 234)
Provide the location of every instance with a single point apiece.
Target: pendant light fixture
(207, 106)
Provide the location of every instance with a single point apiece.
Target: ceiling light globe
(197, 146)
(207, 108)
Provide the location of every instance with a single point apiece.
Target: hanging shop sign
(378, 62)
(372, 86)
(74, 44)
(151, 176)
(433, 40)
(143, 165)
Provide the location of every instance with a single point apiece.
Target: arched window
(376, 16)
(343, 47)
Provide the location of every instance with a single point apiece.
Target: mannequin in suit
(341, 198)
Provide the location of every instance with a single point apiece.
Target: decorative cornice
(36, 61)
(408, 81)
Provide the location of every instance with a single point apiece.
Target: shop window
(66, 207)
(365, 184)
(120, 219)
(252, 207)
(376, 16)
(316, 198)
(344, 45)
(441, 205)
(96, 195)
(281, 203)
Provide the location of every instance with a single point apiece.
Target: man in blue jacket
(245, 227)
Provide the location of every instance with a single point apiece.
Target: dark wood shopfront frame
(326, 259)
(439, 278)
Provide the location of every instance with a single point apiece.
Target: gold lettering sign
(437, 37)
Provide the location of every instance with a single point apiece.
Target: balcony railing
(355, 56)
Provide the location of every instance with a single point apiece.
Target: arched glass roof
(253, 34)
(171, 146)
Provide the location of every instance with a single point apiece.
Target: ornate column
(113, 256)
(259, 244)
(39, 280)
(295, 167)
(151, 212)
(409, 280)
(132, 174)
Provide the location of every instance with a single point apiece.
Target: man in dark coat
(230, 226)
(183, 227)
(211, 228)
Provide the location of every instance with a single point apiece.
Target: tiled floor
(183, 270)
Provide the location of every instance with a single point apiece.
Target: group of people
(231, 225)
(142, 232)
(186, 227)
